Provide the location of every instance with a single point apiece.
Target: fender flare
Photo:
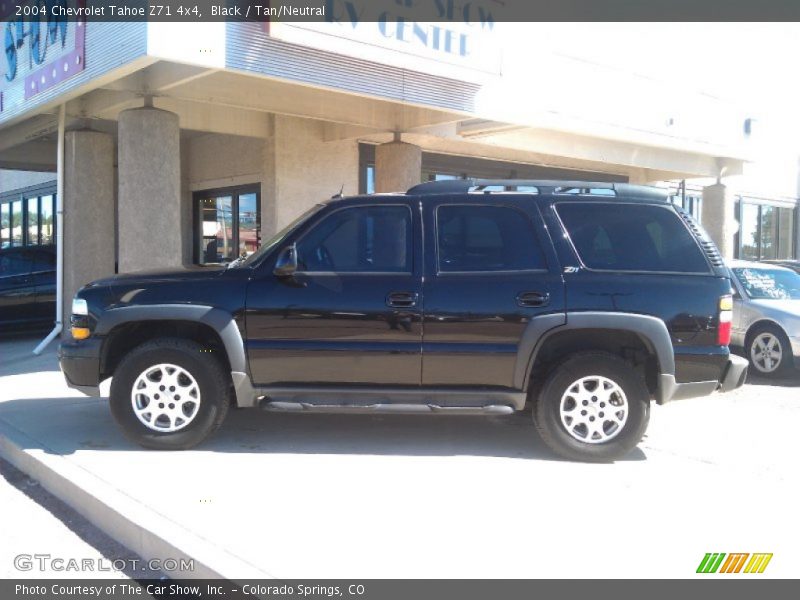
(219, 320)
(652, 330)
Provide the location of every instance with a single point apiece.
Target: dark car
(448, 299)
(27, 287)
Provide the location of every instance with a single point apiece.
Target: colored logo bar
(737, 562)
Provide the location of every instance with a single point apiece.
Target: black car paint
(28, 296)
(334, 329)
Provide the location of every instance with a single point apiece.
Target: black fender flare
(652, 330)
(219, 320)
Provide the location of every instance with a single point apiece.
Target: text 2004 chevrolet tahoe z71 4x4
(585, 300)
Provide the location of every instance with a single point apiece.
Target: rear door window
(486, 238)
(631, 237)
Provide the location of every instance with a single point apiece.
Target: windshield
(769, 284)
(277, 238)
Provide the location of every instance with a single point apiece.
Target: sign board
(40, 50)
(461, 41)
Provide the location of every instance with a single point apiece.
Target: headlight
(79, 307)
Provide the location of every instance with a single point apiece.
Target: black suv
(585, 301)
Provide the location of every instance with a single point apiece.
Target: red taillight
(724, 333)
(725, 319)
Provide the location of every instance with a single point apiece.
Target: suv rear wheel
(593, 407)
(168, 394)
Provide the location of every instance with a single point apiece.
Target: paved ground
(405, 496)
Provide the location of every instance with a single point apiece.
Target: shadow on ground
(85, 424)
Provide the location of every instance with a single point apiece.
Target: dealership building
(192, 143)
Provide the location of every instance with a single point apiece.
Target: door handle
(533, 298)
(402, 299)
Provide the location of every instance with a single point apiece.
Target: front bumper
(80, 363)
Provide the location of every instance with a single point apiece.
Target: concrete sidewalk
(302, 496)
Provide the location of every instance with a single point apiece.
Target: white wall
(305, 169)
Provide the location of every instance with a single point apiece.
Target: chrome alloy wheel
(165, 398)
(766, 352)
(594, 409)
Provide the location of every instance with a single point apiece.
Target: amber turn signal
(80, 333)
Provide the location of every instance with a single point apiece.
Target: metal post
(62, 118)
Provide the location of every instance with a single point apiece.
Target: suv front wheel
(593, 407)
(168, 394)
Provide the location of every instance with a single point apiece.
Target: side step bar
(283, 406)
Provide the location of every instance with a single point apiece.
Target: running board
(488, 410)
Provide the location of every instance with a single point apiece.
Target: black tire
(547, 409)
(214, 393)
(782, 340)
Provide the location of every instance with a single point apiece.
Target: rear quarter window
(616, 236)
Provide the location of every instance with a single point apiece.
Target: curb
(128, 521)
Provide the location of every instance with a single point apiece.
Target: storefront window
(16, 223)
(47, 220)
(27, 220)
(33, 221)
(5, 225)
(748, 232)
(769, 232)
(786, 229)
(249, 230)
(228, 224)
(765, 232)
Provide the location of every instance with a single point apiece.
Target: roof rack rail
(544, 186)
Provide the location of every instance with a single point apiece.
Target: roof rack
(543, 186)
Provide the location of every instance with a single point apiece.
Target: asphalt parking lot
(286, 496)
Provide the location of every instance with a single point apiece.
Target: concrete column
(718, 218)
(149, 190)
(398, 166)
(89, 240)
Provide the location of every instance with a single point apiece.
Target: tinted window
(630, 237)
(486, 238)
(359, 240)
(14, 263)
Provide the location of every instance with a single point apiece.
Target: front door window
(227, 224)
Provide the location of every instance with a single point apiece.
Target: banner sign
(40, 49)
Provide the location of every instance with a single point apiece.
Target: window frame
(741, 202)
(234, 192)
(440, 273)
(669, 207)
(312, 226)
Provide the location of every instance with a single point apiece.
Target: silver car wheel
(165, 398)
(766, 352)
(594, 409)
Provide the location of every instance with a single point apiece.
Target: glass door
(227, 224)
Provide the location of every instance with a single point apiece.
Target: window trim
(440, 273)
(667, 207)
(794, 236)
(234, 192)
(348, 273)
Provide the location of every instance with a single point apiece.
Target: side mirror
(286, 265)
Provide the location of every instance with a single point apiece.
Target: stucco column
(149, 190)
(718, 218)
(398, 166)
(88, 211)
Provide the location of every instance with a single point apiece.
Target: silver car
(766, 315)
